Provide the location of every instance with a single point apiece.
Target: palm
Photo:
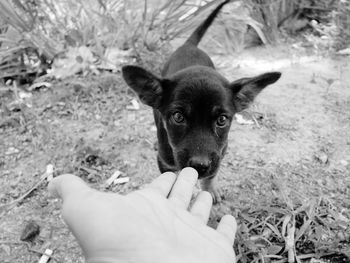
(144, 226)
(181, 229)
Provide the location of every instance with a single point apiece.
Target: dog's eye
(221, 121)
(178, 117)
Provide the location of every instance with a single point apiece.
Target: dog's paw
(217, 195)
(210, 186)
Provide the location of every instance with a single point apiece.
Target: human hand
(148, 225)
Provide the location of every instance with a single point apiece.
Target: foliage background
(35, 34)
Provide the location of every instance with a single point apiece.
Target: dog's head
(196, 106)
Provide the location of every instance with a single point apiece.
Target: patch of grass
(287, 226)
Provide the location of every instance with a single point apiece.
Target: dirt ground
(298, 139)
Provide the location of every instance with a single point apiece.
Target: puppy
(193, 107)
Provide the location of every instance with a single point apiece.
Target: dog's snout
(201, 164)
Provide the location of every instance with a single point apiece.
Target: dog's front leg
(209, 184)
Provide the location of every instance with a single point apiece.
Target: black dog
(193, 107)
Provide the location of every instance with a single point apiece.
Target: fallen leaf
(76, 59)
(345, 51)
(274, 249)
(39, 85)
(24, 95)
(114, 57)
(134, 105)
(243, 121)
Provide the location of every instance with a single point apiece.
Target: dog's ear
(147, 86)
(246, 89)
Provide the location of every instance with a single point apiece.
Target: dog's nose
(201, 164)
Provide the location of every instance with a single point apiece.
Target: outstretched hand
(148, 225)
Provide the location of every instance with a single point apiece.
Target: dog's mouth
(211, 172)
(202, 175)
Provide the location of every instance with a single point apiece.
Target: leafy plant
(33, 34)
(342, 21)
(24, 48)
(48, 28)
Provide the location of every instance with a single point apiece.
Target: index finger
(163, 183)
(67, 185)
(182, 191)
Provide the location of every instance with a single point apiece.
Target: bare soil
(299, 140)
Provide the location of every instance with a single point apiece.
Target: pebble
(5, 172)
(30, 231)
(43, 202)
(344, 162)
(322, 157)
(11, 150)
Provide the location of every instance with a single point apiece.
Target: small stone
(322, 157)
(241, 120)
(30, 231)
(343, 162)
(43, 202)
(134, 105)
(11, 150)
(15, 194)
(60, 103)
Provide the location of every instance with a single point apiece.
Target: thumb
(67, 185)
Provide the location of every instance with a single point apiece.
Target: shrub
(34, 33)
